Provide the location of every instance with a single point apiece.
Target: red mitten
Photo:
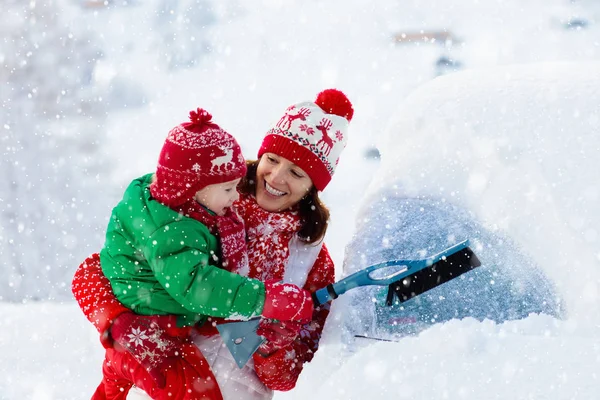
(287, 302)
(278, 334)
(95, 297)
(145, 337)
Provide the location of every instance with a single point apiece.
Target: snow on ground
(262, 58)
(49, 352)
(535, 358)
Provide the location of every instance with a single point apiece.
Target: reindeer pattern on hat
(322, 135)
(312, 135)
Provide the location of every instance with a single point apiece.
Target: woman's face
(280, 183)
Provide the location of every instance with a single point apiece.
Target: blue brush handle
(364, 278)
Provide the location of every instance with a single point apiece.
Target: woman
(285, 224)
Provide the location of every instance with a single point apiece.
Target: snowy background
(89, 90)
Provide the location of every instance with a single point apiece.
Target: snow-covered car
(508, 285)
(503, 158)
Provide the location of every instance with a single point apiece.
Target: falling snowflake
(137, 336)
(339, 136)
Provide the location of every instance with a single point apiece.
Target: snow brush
(405, 278)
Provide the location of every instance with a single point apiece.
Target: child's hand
(287, 302)
(145, 338)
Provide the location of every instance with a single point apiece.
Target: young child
(173, 247)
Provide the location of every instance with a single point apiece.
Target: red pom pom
(200, 116)
(333, 101)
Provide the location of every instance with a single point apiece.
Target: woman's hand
(277, 334)
(287, 302)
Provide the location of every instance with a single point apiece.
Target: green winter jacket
(160, 262)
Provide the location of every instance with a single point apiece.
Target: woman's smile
(272, 191)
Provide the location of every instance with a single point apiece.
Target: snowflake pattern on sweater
(268, 235)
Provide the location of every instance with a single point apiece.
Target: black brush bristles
(438, 273)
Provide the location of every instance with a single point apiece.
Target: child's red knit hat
(196, 154)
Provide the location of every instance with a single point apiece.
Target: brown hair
(314, 214)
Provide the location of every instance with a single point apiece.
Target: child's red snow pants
(184, 380)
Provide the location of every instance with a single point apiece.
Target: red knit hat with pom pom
(312, 135)
(196, 154)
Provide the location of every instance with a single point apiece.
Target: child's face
(218, 197)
